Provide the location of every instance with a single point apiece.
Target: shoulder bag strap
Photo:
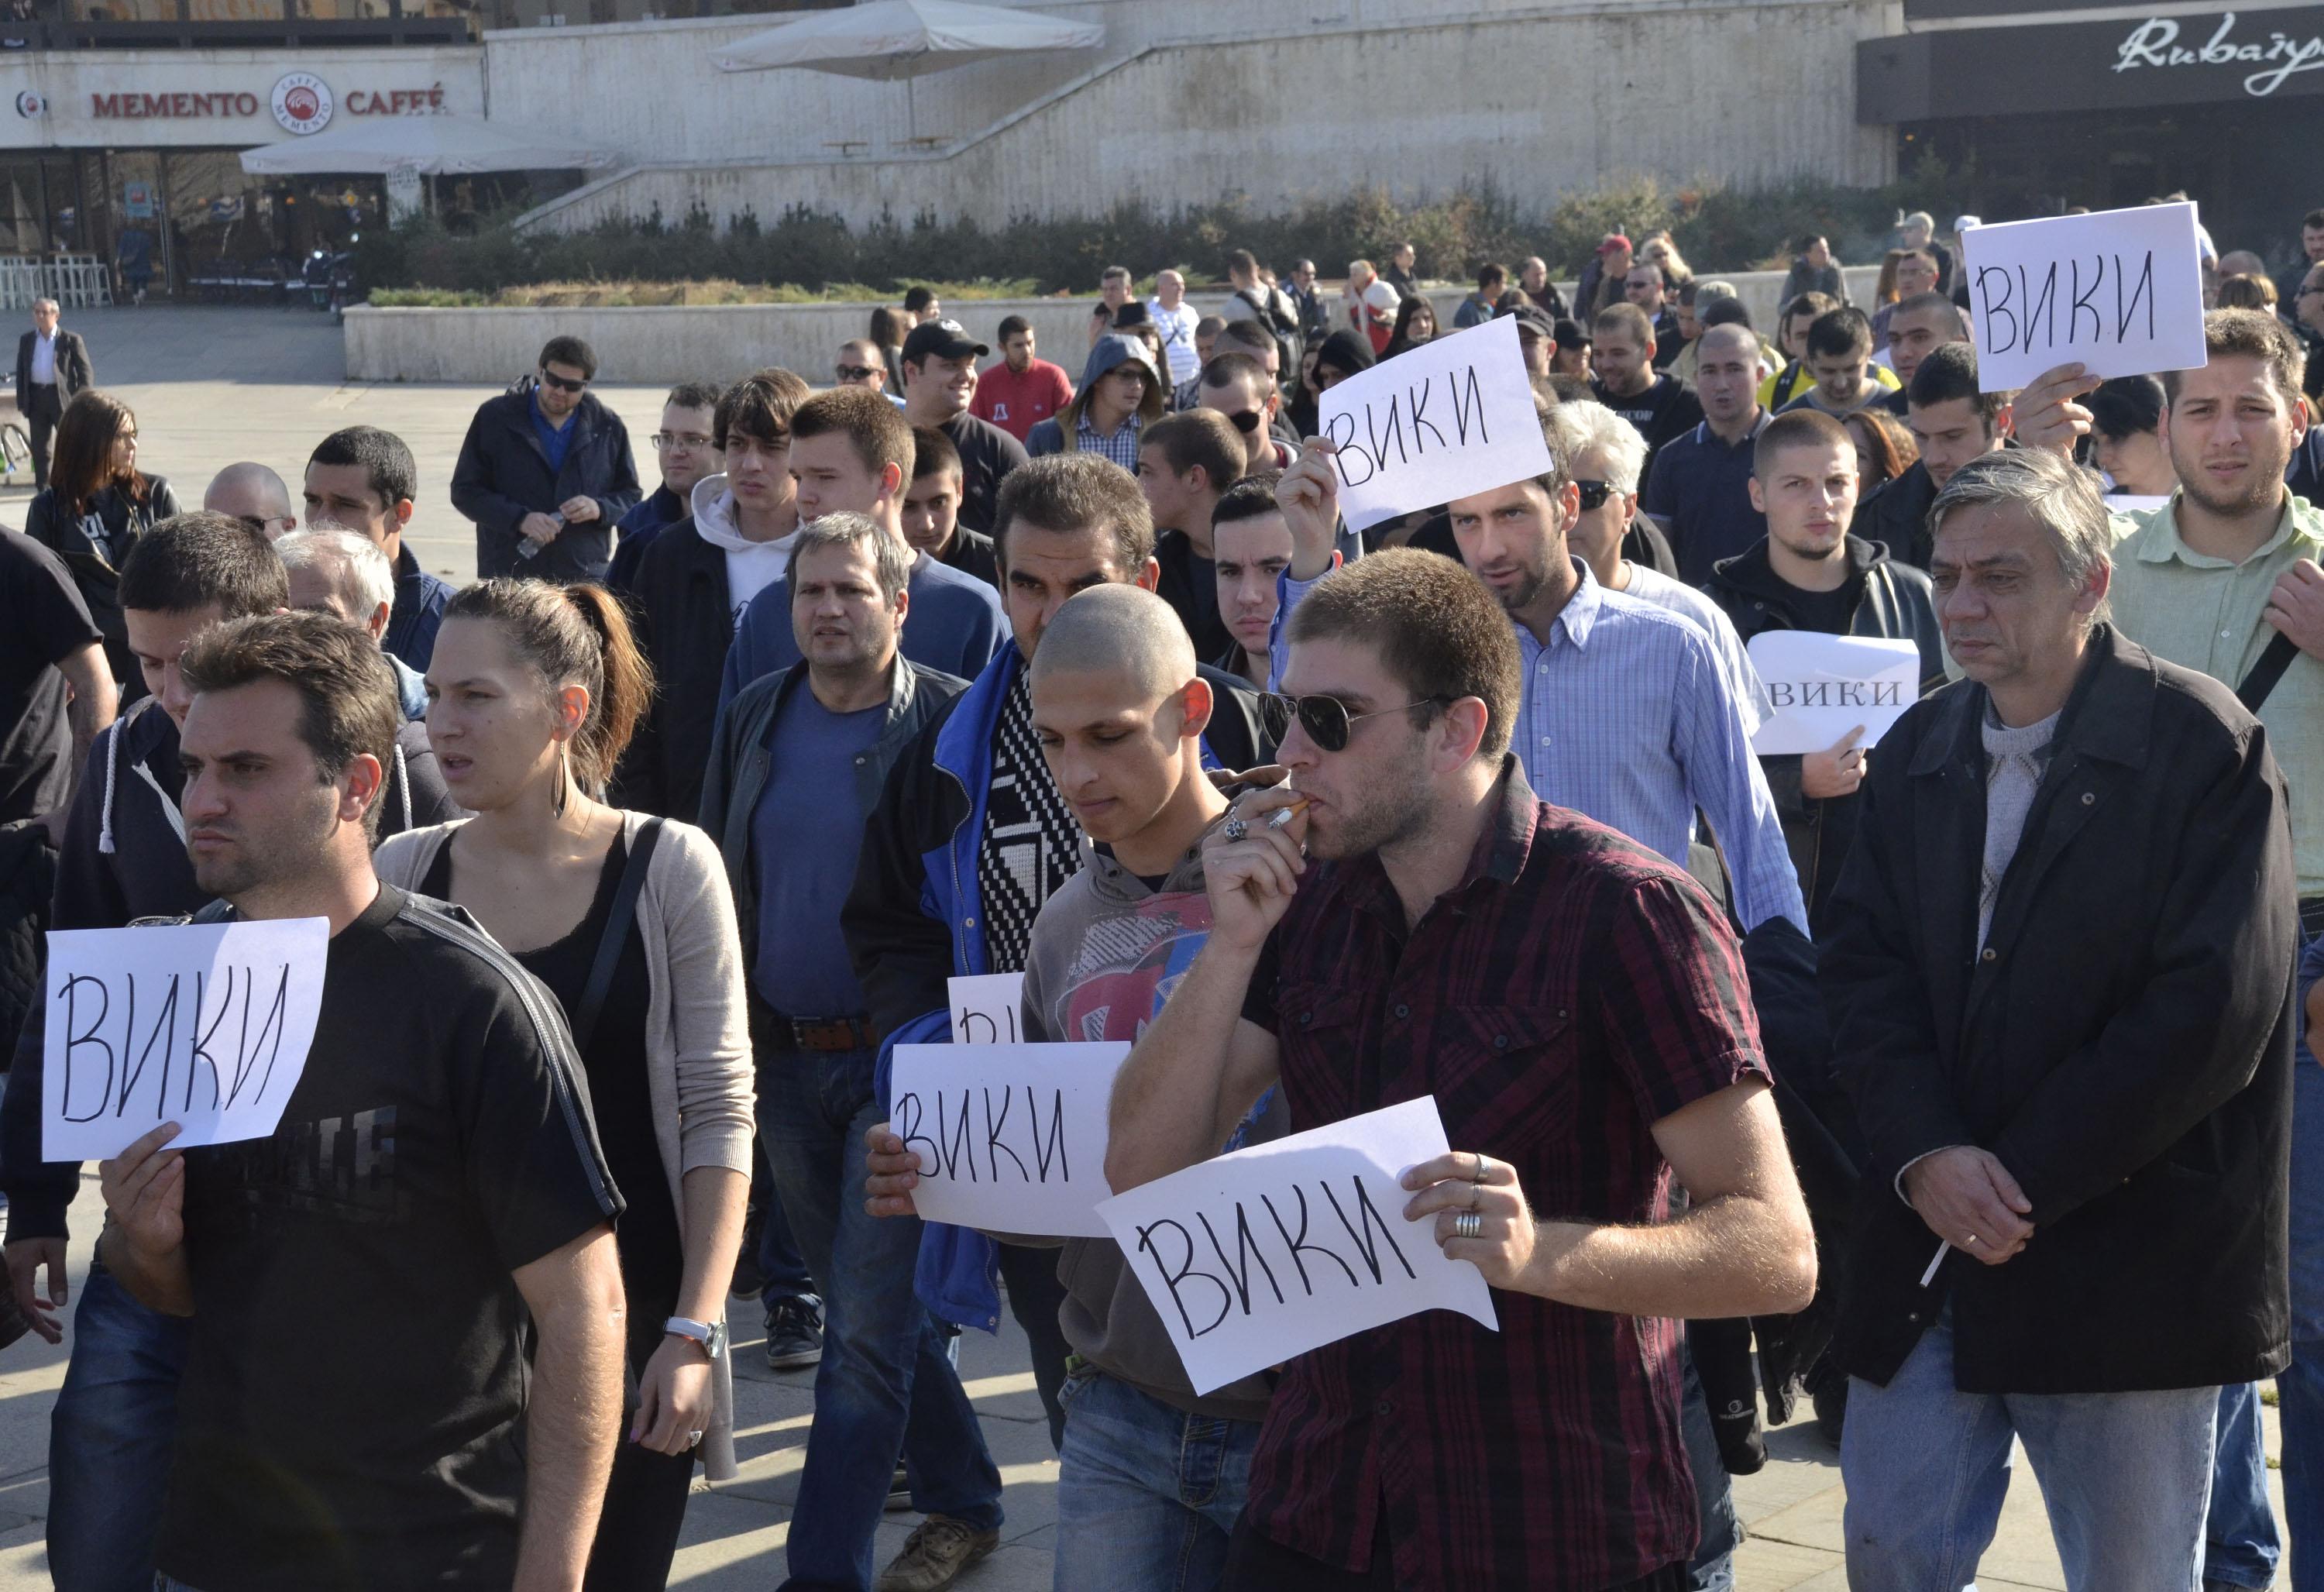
(617, 935)
(2253, 693)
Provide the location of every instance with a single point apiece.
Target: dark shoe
(899, 1491)
(795, 1334)
(934, 1554)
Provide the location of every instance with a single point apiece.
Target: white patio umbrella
(429, 145)
(890, 39)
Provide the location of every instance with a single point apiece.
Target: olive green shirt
(2206, 613)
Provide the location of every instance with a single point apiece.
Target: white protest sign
(1267, 1252)
(987, 1008)
(1450, 418)
(2120, 292)
(203, 1024)
(1011, 1138)
(1822, 687)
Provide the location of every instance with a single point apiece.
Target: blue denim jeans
(779, 1260)
(109, 1440)
(2125, 1477)
(885, 1384)
(1146, 1494)
(2240, 1543)
(1713, 1566)
(2301, 1386)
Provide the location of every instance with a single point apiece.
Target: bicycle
(16, 453)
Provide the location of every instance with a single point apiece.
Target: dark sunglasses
(856, 372)
(262, 526)
(562, 385)
(1325, 719)
(1594, 494)
(1245, 420)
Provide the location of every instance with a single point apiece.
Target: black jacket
(503, 475)
(737, 773)
(2123, 1042)
(74, 372)
(680, 603)
(94, 548)
(1896, 516)
(1895, 601)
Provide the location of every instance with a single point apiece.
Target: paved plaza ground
(214, 385)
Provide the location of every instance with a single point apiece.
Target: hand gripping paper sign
(986, 1008)
(1822, 687)
(2120, 292)
(1450, 418)
(1011, 1138)
(203, 1024)
(1269, 1251)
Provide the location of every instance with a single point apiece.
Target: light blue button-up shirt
(1629, 718)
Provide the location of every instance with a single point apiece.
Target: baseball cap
(1963, 223)
(942, 339)
(1530, 318)
(1572, 334)
(1612, 241)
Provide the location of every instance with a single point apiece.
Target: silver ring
(1468, 1224)
(693, 1438)
(1483, 1166)
(1234, 828)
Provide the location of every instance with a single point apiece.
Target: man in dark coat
(545, 472)
(51, 365)
(2059, 968)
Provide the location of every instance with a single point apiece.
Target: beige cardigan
(697, 1026)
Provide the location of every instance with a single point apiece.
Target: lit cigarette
(1284, 815)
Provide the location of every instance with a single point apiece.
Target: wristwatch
(711, 1335)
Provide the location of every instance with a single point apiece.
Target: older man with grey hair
(345, 574)
(2058, 969)
(51, 365)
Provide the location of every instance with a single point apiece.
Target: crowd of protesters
(1949, 1087)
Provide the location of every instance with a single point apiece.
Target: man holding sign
(360, 1283)
(1579, 1014)
(1809, 574)
(1151, 1474)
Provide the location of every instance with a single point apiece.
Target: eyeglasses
(1246, 420)
(263, 525)
(561, 384)
(857, 372)
(1594, 494)
(680, 442)
(1326, 719)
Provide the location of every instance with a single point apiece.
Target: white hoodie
(751, 566)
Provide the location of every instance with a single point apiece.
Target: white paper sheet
(986, 1008)
(1822, 687)
(1450, 418)
(2121, 292)
(203, 1024)
(1258, 1256)
(1011, 1138)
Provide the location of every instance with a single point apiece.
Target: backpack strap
(2253, 691)
(617, 937)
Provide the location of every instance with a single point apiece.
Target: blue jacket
(656, 512)
(417, 615)
(915, 919)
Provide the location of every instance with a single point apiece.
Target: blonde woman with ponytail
(627, 920)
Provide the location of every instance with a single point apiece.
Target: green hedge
(1718, 229)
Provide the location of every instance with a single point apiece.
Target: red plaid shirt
(1571, 992)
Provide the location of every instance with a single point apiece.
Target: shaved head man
(255, 495)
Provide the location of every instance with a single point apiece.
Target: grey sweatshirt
(1106, 952)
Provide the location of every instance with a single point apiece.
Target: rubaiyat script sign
(1822, 687)
(1011, 1138)
(203, 1024)
(2120, 292)
(1450, 418)
(1256, 1257)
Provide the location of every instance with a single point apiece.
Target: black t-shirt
(987, 454)
(1828, 611)
(42, 620)
(653, 1257)
(1664, 410)
(347, 1421)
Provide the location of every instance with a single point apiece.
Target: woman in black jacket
(96, 506)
